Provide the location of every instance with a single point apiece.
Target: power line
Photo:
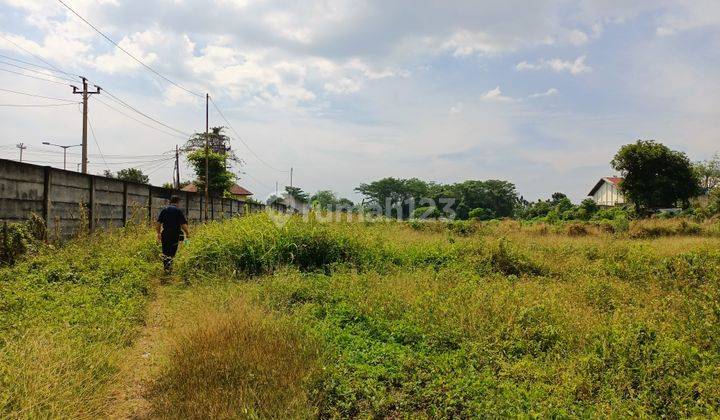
(35, 77)
(125, 104)
(36, 105)
(139, 121)
(243, 141)
(36, 56)
(36, 71)
(92, 131)
(126, 52)
(7, 57)
(37, 96)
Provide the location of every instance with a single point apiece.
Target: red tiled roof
(235, 189)
(238, 190)
(614, 179)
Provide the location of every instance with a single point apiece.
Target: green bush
(481, 214)
(426, 213)
(19, 239)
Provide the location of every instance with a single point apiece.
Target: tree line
(654, 177)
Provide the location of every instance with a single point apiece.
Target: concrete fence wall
(69, 202)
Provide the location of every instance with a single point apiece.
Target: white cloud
(496, 95)
(344, 85)
(689, 16)
(549, 92)
(464, 43)
(118, 61)
(557, 65)
(577, 37)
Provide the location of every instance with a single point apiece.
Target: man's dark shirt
(171, 218)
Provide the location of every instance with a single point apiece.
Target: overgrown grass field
(376, 319)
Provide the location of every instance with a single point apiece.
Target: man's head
(175, 200)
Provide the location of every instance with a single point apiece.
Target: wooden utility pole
(22, 147)
(207, 153)
(291, 174)
(85, 95)
(177, 167)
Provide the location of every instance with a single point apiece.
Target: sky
(541, 93)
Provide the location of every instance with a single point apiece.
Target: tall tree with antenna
(221, 179)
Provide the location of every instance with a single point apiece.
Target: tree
(298, 194)
(556, 197)
(220, 178)
(480, 213)
(499, 197)
(218, 142)
(708, 172)
(129, 174)
(587, 209)
(655, 176)
(324, 199)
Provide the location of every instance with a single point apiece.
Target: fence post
(91, 205)
(125, 203)
(202, 212)
(46, 200)
(212, 208)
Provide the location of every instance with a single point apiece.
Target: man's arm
(158, 229)
(185, 229)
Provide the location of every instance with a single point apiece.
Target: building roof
(238, 190)
(235, 189)
(609, 179)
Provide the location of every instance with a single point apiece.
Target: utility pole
(22, 147)
(291, 174)
(207, 153)
(47, 143)
(85, 95)
(177, 167)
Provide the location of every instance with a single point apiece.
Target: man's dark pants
(169, 249)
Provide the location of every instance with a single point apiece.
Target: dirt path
(143, 360)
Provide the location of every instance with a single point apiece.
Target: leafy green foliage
(21, 239)
(426, 213)
(328, 200)
(132, 175)
(220, 178)
(394, 196)
(480, 213)
(655, 176)
(298, 194)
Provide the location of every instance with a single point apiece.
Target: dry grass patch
(243, 362)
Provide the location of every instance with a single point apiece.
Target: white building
(607, 193)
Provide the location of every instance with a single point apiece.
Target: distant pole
(276, 188)
(177, 167)
(207, 153)
(85, 95)
(22, 147)
(291, 174)
(47, 143)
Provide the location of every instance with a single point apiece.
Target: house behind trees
(607, 193)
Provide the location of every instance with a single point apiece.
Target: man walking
(170, 226)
